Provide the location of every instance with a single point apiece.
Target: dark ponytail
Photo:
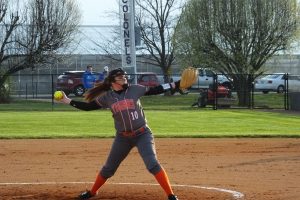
(98, 90)
(104, 86)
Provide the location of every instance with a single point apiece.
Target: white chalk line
(235, 194)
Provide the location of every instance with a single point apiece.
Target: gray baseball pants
(121, 148)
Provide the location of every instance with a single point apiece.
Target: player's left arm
(160, 89)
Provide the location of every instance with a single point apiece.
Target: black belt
(134, 133)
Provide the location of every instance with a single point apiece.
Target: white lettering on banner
(127, 33)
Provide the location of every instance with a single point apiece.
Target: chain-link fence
(32, 86)
(269, 91)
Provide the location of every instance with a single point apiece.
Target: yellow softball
(58, 95)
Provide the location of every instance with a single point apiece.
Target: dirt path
(261, 169)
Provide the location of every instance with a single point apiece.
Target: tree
(156, 20)
(33, 35)
(235, 37)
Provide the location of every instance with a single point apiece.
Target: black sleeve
(85, 106)
(158, 89)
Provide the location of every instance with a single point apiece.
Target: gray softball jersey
(127, 110)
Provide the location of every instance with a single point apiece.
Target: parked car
(272, 82)
(205, 79)
(71, 82)
(276, 82)
(145, 78)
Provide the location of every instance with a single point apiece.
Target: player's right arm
(87, 106)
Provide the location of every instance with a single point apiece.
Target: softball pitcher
(131, 126)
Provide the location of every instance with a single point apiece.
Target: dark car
(147, 79)
(144, 78)
(71, 82)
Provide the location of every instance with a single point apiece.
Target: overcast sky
(98, 12)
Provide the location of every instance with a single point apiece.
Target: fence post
(32, 85)
(251, 84)
(286, 92)
(20, 88)
(26, 91)
(52, 91)
(36, 89)
(247, 93)
(215, 91)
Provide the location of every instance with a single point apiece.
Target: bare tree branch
(156, 20)
(34, 35)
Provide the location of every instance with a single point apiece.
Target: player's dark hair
(98, 90)
(102, 87)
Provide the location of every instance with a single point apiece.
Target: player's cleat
(85, 195)
(172, 197)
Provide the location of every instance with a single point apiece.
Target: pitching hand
(65, 99)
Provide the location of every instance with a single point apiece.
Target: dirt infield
(214, 169)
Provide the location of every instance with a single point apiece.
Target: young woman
(131, 127)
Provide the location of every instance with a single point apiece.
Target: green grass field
(175, 123)
(168, 116)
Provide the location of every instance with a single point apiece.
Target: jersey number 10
(134, 115)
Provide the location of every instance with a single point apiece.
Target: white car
(276, 82)
(272, 82)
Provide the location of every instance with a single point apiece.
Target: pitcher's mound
(108, 191)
